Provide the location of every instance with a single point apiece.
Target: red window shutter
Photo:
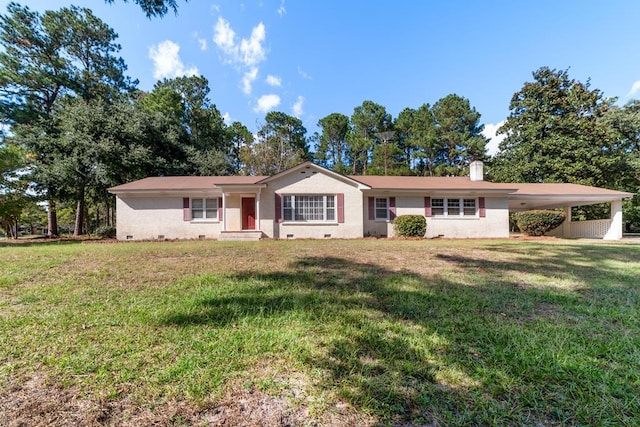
(186, 211)
(371, 209)
(220, 209)
(392, 208)
(278, 202)
(427, 206)
(340, 208)
(482, 210)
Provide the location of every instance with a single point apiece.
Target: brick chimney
(476, 171)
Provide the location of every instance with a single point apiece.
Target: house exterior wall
(233, 212)
(494, 224)
(145, 218)
(310, 183)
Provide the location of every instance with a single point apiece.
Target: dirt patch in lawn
(36, 402)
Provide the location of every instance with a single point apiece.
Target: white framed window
(381, 209)
(204, 209)
(469, 207)
(309, 208)
(451, 207)
(437, 207)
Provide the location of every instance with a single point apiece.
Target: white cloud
(303, 74)
(167, 62)
(282, 10)
(247, 80)
(635, 88)
(266, 103)
(251, 49)
(201, 41)
(226, 117)
(489, 131)
(297, 107)
(244, 55)
(224, 37)
(274, 81)
(248, 52)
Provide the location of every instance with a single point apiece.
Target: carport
(566, 196)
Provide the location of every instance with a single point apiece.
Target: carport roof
(547, 195)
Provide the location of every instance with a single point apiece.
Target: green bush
(536, 223)
(410, 225)
(106, 232)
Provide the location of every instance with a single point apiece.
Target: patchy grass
(335, 332)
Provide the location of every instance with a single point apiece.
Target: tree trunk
(52, 219)
(78, 229)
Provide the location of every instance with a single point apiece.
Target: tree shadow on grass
(31, 243)
(413, 348)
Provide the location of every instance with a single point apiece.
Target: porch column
(258, 209)
(615, 228)
(566, 225)
(224, 211)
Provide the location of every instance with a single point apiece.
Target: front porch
(241, 212)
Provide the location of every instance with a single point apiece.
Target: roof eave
(445, 190)
(118, 192)
(310, 165)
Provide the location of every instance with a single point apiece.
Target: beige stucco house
(309, 201)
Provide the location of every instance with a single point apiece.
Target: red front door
(248, 213)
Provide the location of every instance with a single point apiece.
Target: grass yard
(353, 332)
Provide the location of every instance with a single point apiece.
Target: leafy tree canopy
(281, 144)
(555, 133)
(154, 8)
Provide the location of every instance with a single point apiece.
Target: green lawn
(485, 332)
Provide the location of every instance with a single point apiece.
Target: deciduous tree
(47, 56)
(281, 144)
(555, 133)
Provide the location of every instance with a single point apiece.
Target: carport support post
(566, 225)
(615, 228)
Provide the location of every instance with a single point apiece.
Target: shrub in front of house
(410, 225)
(538, 222)
(106, 232)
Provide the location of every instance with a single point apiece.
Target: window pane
(287, 211)
(212, 208)
(197, 212)
(437, 207)
(381, 208)
(331, 208)
(309, 208)
(469, 206)
(453, 206)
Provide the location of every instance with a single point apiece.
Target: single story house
(309, 201)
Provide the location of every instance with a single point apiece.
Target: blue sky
(313, 58)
